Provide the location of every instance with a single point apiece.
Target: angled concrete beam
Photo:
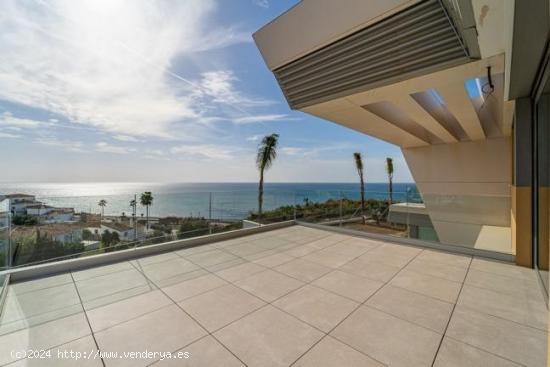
(359, 119)
(408, 105)
(456, 99)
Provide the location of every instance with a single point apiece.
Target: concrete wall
(466, 190)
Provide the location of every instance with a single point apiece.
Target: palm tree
(360, 171)
(389, 170)
(146, 200)
(102, 203)
(267, 152)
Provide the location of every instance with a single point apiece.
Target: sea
(223, 201)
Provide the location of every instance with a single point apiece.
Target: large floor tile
(521, 344)
(505, 269)
(462, 261)
(192, 287)
(324, 242)
(394, 255)
(101, 270)
(373, 270)
(348, 285)
(269, 285)
(43, 301)
(329, 352)
(304, 270)
(437, 269)
(241, 271)
(268, 337)
(514, 286)
(428, 285)
(244, 249)
(300, 251)
(388, 339)
(167, 269)
(154, 259)
(38, 284)
(317, 307)
(221, 306)
(329, 258)
(113, 286)
(201, 248)
(416, 308)
(115, 313)
(212, 257)
(44, 336)
(522, 310)
(274, 260)
(453, 353)
(164, 330)
(205, 352)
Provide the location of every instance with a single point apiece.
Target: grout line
(450, 317)
(87, 320)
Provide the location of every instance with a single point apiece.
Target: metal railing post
(341, 208)
(210, 213)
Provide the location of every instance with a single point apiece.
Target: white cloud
(126, 138)
(254, 138)
(9, 136)
(293, 150)
(204, 151)
(109, 148)
(68, 145)
(108, 63)
(8, 120)
(261, 3)
(220, 85)
(262, 118)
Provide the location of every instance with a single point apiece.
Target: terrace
(296, 295)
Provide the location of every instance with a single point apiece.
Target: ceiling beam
(458, 102)
(408, 105)
(364, 121)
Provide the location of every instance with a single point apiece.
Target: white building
(39, 209)
(59, 215)
(125, 233)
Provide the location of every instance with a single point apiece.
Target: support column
(522, 212)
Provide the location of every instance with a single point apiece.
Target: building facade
(460, 86)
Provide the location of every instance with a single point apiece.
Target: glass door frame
(543, 79)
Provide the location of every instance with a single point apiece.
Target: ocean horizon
(225, 200)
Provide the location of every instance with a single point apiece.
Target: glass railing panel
(90, 229)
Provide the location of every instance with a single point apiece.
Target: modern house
(125, 232)
(454, 84)
(38, 209)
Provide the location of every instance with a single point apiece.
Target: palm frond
(267, 151)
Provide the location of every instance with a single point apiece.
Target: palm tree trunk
(363, 199)
(391, 190)
(147, 214)
(261, 193)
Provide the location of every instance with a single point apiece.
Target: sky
(157, 91)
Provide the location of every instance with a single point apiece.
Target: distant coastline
(224, 200)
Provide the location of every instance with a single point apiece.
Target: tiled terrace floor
(295, 296)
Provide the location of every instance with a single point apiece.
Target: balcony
(296, 295)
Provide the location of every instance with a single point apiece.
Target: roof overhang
(406, 72)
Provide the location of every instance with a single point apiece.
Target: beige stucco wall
(466, 189)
